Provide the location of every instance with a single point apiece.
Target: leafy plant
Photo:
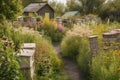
(105, 66)
(51, 31)
(46, 61)
(83, 58)
(70, 46)
(9, 65)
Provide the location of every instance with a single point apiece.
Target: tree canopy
(111, 6)
(26, 2)
(58, 7)
(73, 5)
(10, 9)
(91, 6)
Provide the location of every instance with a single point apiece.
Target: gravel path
(70, 67)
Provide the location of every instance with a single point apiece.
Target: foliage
(73, 39)
(47, 65)
(9, 65)
(5, 29)
(110, 9)
(70, 46)
(2, 17)
(10, 9)
(46, 61)
(79, 30)
(77, 48)
(26, 2)
(105, 66)
(17, 39)
(91, 6)
(83, 58)
(59, 8)
(50, 29)
(73, 5)
(28, 35)
(111, 6)
(102, 28)
(85, 6)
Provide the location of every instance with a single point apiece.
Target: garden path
(70, 66)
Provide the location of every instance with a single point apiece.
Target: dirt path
(70, 67)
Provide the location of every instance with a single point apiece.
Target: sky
(62, 1)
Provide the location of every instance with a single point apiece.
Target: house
(41, 8)
(70, 14)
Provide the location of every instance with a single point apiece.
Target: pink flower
(61, 27)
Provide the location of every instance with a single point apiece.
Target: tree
(73, 5)
(10, 9)
(111, 10)
(91, 6)
(85, 6)
(26, 2)
(111, 6)
(58, 7)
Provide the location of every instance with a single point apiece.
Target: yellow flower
(118, 69)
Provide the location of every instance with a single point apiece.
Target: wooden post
(94, 45)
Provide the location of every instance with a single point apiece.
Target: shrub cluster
(9, 64)
(51, 29)
(75, 45)
(47, 30)
(106, 66)
(47, 65)
(77, 48)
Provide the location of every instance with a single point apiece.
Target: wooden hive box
(27, 60)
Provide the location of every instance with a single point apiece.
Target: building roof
(34, 7)
(70, 14)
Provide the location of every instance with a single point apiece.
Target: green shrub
(75, 45)
(70, 46)
(38, 18)
(17, 39)
(5, 29)
(77, 48)
(28, 38)
(50, 31)
(106, 66)
(9, 65)
(47, 65)
(83, 58)
(46, 61)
